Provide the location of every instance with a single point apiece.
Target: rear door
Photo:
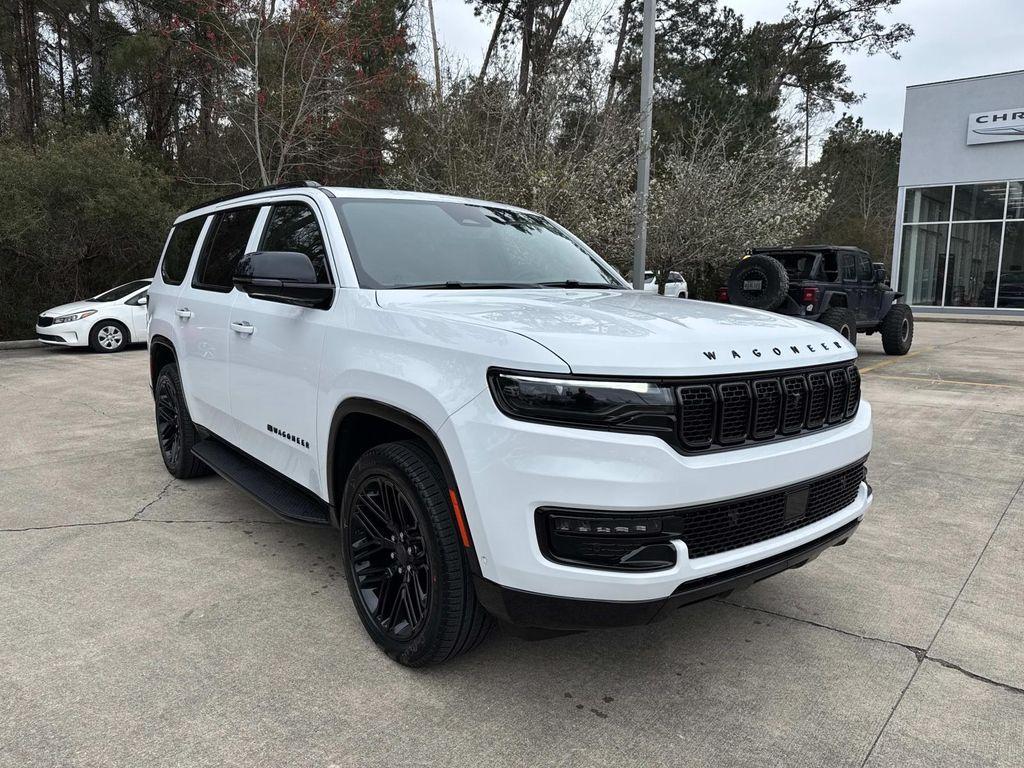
(848, 279)
(203, 313)
(275, 352)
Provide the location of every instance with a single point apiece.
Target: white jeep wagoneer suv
(498, 425)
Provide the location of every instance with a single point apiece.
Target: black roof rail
(271, 188)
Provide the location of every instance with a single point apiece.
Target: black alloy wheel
(405, 557)
(389, 558)
(175, 432)
(168, 422)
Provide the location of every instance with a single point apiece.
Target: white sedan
(107, 323)
(675, 286)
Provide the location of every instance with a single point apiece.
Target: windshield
(438, 244)
(121, 291)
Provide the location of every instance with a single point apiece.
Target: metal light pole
(643, 166)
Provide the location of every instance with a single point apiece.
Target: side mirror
(879, 272)
(287, 277)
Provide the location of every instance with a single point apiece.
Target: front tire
(407, 574)
(843, 321)
(109, 336)
(898, 330)
(175, 431)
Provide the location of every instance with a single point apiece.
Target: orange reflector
(459, 521)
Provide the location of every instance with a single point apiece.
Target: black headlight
(625, 405)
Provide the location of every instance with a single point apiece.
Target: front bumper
(527, 609)
(506, 470)
(64, 334)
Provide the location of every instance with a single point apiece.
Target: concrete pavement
(163, 623)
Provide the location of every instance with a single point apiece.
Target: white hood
(636, 333)
(69, 309)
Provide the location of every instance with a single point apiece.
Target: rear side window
(864, 268)
(293, 227)
(179, 250)
(847, 267)
(225, 245)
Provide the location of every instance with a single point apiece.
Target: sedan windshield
(439, 244)
(121, 291)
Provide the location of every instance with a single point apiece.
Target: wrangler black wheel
(843, 321)
(175, 432)
(898, 330)
(407, 574)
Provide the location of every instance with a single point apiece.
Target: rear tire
(407, 574)
(175, 431)
(843, 321)
(898, 330)
(109, 336)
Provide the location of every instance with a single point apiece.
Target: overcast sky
(953, 39)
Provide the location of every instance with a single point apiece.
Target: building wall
(959, 240)
(935, 149)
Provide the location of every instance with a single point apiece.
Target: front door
(275, 354)
(203, 313)
(871, 291)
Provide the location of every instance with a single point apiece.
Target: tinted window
(864, 269)
(979, 201)
(121, 291)
(293, 227)
(179, 250)
(406, 243)
(927, 204)
(225, 245)
(847, 266)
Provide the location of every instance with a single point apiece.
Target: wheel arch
(359, 424)
(161, 352)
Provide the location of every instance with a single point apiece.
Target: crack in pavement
(920, 653)
(135, 518)
(920, 661)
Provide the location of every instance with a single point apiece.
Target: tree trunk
(529, 11)
(495, 36)
(19, 60)
(437, 57)
(542, 49)
(627, 9)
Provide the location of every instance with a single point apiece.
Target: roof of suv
(345, 192)
(806, 248)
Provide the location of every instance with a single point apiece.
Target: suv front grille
(44, 321)
(729, 411)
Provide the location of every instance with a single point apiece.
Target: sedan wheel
(108, 336)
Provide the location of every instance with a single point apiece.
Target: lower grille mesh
(715, 528)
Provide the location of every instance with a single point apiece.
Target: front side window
(847, 266)
(225, 245)
(864, 269)
(423, 243)
(293, 227)
(179, 250)
(121, 291)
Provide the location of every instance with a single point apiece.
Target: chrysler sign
(996, 125)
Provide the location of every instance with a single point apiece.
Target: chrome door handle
(183, 312)
(243, 327)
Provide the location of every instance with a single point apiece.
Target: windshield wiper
(458, 284)
(578, 284)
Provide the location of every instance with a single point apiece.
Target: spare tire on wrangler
(758, 281)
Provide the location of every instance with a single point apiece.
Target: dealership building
(960, 213)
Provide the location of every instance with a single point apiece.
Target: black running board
(278, 494)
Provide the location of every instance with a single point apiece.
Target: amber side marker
(459, 520)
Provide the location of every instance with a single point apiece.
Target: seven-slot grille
(44, 321)
(730, 411)
(714, 528)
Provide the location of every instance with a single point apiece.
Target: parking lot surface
(151, 622)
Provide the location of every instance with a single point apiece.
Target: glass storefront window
(979, 202)
(1011, 278)
(1015, 205)
(927, 204)
(923, 262)
(973, 258)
